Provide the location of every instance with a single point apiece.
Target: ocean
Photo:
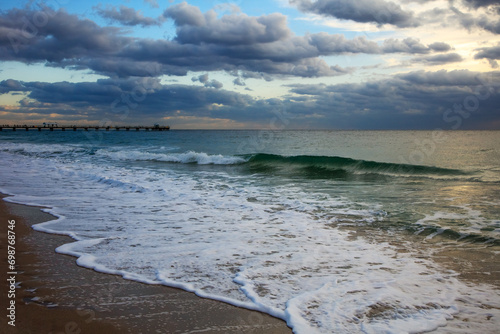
(331, 231)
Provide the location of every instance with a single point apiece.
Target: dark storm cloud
(10, 85)
(374, 11)
(65, 40)
(415, 100)
(127, 16)
(294, 55)
(175, 58)
(134, 97)
(48, 35)
(235, 42)
(426, 100)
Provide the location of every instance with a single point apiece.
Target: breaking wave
(339, 167)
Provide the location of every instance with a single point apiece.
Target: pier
(156, 127)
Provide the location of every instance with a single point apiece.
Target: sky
(252, 64)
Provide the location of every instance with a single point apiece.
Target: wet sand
(57, 296)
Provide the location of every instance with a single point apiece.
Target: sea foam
(235, 239)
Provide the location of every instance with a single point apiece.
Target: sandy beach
(54, 295)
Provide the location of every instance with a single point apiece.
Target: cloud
(492, 25)
(295, 55)
(118, 100)
(239, 82)
(399, 104)
(491, 54)
(379, 12)
(214, 84)
(127, 16)
(418, 100)
(234, 42)
(440, 47)
(449, 78)
(56, 36)
(490, 22)
(185, 14)
(482, 14)
(263, 45)
(193, 27)
(10, 85)
(407, 45)
(481, 3)
(415, 100)
(439, 59)
(326, 44)
(65, 40)
(204, 80)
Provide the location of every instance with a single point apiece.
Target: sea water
(331, 231)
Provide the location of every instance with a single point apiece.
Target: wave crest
(339, 167)
(189, 157)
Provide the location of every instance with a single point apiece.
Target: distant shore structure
(55, 126)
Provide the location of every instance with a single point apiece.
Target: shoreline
(56, 295)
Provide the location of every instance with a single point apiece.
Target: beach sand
(57, 296)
